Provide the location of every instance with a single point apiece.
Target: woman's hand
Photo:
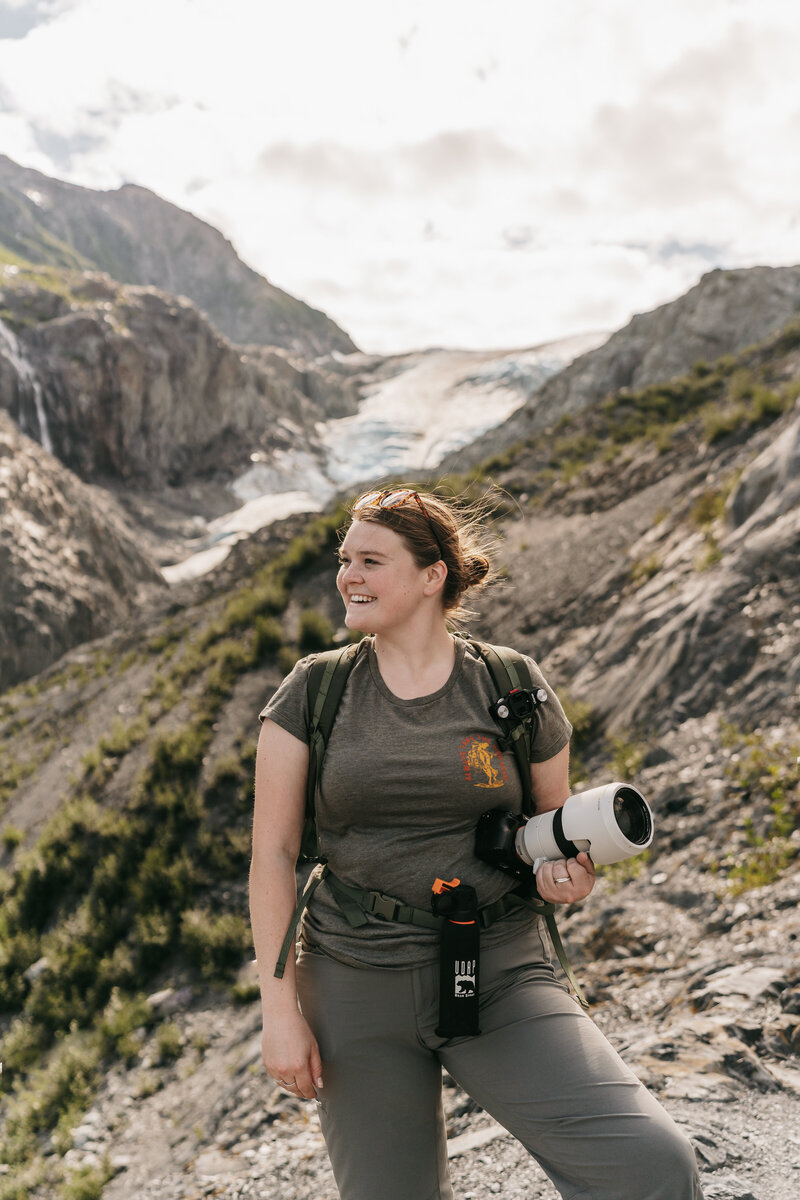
(566, 881)
(291, 1054)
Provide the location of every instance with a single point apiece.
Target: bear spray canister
(459, 957)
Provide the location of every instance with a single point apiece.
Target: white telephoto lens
(611, 822)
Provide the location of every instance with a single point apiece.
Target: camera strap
(459, 958)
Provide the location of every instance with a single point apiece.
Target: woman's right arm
(289, 1048)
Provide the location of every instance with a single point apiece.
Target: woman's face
(379, 581)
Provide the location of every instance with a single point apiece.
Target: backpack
(327, 680)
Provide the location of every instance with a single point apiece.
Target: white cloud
(448, 173)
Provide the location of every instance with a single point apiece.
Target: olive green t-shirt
(403, 785)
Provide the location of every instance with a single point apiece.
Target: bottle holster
(459, 958)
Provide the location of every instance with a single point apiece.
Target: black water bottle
(459, 958)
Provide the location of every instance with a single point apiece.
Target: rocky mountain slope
(136, 387)
(725, 312)
(137, 238)
(70, 564)
(650, 549)
(134, 391)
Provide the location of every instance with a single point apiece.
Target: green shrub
(718, 423)
(765, 404)
(169, 1042)
(643, 569)
(178, 756)
(287, 657)
(711, 555)
(11, 837)
(147, 1084)
(23, 1045)
(54, 1096)
(620, 873)
(267, 597)
(769, 779)
(760, 865)
(123, 1017)
(123, 736)
(86, 1183)
(214, 942)
(245, 993)
(740, 384)
(24, 1181)
(708, 507)
(627, 756)
(267, 637)
(316, 631)
(583, 718)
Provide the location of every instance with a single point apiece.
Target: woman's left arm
(566, 880)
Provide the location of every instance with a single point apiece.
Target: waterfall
(10, 349)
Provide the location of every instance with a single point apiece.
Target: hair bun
(477, 568)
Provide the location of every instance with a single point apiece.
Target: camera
(611, 823)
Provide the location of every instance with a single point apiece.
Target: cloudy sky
(436, 172)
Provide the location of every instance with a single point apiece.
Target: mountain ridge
(138, 238)
(723, 313)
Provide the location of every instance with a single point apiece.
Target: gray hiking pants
(540, 1067)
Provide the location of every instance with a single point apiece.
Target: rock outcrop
(725, 312)
(70, 566)
(138, 386)
(136, 237)
(770, 485)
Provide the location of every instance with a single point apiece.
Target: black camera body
(495, 837)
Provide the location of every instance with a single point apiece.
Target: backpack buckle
(384, 907)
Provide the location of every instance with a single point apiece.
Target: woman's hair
(447, 530)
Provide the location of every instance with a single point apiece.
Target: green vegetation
(12, 774)
(584, 721)
(113, 896)
(627, 756)
(620, 873)
(11, 837)
(643, 569)
(705, 513)
(316, 631)
(86, 1183)
(768, 777)
(169, 1042)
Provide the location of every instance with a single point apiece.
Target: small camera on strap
(517, 707)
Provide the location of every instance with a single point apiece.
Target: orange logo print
(483, 765)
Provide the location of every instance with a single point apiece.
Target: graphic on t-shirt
(483, 764)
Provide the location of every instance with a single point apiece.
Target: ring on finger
(558, 880)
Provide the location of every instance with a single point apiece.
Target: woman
(411, 764)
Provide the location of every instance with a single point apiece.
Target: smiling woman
(411, 754)
(453, 541)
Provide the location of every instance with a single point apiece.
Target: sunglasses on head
(393, 498)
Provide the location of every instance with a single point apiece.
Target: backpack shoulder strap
(325, 686)
(327, 679)
(509, 670)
